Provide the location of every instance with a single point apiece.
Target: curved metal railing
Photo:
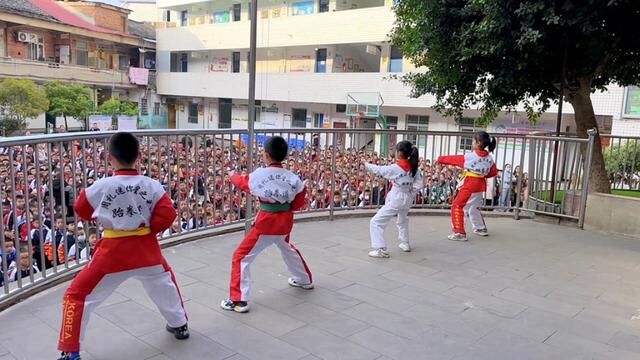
(41, 176)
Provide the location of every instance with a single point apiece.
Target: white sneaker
(299, 285)
(405, 247)
(379, 253)
(237, 306)
(457, 237)
(481, 232)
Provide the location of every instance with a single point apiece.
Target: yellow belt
(110, 233)
(472, 174)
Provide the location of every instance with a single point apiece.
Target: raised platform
(529, 291)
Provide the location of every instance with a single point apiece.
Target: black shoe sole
(176, 334)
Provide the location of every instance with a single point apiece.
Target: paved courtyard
(529, 291)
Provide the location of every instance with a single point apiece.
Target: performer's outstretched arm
(455, 160)
(163, 215)
(240, 181)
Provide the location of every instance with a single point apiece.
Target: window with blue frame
(221, 17)
(395, 60)
(304, 8)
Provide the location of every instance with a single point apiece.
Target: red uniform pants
(114, 261)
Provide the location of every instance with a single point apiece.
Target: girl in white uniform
(406, 181)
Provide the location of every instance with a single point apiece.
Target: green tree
(73, 100)
(115, 107)
(20, 99)
(623, 161)
(496, 54)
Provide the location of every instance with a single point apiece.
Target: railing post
(516, 211)
(333, 175)
(586, 176)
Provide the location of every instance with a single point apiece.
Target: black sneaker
(180, 333)
(69, 356)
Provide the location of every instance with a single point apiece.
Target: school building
(320, 63)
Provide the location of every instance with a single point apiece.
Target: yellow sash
(468, 173)
(112, 234)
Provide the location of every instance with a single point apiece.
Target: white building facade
(312, 56)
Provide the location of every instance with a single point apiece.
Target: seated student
(9, 251)
(26, 263)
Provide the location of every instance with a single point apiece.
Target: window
(341, 108)
(395, 60)
(467, 125)
(156, 109)
(35, 50)
(249, 10)
(318, 120)
(184, 62)
(224, 113)
(144, 109)
(193, 113)
(632, 102)
(174, 62)
(299, 118)
(417, 124)
(82, 53)
(321, 60)
(236, 62)
(179, 62)
(323, 6)
(183, 18)
(303, 8)
(123, 62)
(166, 16)
(237, 10)
(392, 122)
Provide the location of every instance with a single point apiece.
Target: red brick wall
(18, 49)
(104, 17)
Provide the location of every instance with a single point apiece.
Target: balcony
(35, 70)
(331, 88)
(369, 25)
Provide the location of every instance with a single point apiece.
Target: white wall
(626, 127)
(145, 12)
(371, 25)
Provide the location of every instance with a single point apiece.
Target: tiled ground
(530, 291)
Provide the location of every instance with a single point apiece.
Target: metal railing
(41, 70)
(622, 159)
(42, 176)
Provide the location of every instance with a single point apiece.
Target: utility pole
(252, 103)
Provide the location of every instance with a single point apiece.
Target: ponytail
(485, 141)
(409, 152)
(413, 158)
(492, 144)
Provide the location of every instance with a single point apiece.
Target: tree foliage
(115, 107)
(623, 160)
(20, 99)
(73, 100)
(498, 54)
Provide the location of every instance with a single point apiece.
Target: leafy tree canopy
(496, 54)
(499, 53)
(20, 99)
(115, 107)
(73, 100)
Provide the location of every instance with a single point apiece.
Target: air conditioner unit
(27, 37)
(23, 37)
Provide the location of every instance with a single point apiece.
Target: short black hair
(124, 147)
(277, 148)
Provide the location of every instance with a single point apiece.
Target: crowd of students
(40, 182)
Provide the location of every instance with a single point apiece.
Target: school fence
(42, 176)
